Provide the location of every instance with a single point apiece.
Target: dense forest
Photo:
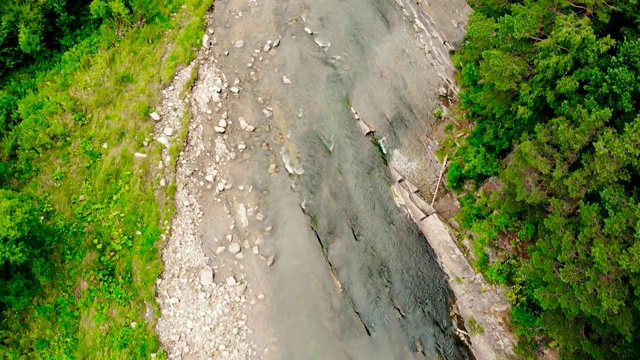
(553, 90)
(79, 222)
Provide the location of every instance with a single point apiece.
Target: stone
(442, 91)
(242, 146)
(206, 276)
(242, 213)
(270, 261)
(164, 141)
(234, 89)
(276, 43)
(140, 155)
(238, 44)
(168, 131)
(205, 41)
(308, 31)
(272, 168)
(209, 178)
(220, 250)
(154, 115)
(105, 145)
(241, 289)
(259, 217)
(285, 80)
(267, 113)
(256, 250)
(250, 128)
(224, 115)
(234, 248)
(231, 281)
(322, 43)
(365, 127)
(163, 182)
(219, 129)
(133, 324)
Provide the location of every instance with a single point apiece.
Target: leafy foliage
(79, 222)
(553, 88)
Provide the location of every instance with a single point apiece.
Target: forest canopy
(553, 87)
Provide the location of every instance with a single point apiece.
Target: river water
(353, 278)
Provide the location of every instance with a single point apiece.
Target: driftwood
(444, 166)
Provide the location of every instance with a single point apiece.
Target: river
(353, 276)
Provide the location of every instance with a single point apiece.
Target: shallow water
(354, 278)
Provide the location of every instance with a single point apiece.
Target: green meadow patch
(74, 148)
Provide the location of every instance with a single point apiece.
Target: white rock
(163, 182)
(209, 178)
(105, 145)
(308, 31)
(222, 123)
(267, 113)
(219, 129)
(276, 43)
(238, 44)
(206, 276)
(231, 281)
(243, 123)
(164, 141)
(241, 289)
(234, 248)
(168, 131)
(242, 213)
(250, 128)
(285, 80)
(242, 146)
(220, 250)
(140, 155)
(322, 43)
(205, 41)
(154, 115)
(234, 89)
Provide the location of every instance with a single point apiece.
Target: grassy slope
(106, 211)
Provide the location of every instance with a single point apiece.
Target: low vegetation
(552, 87)
(80, 216)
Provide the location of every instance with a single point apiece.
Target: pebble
(234, 248)
(239, 44)
(164, 141)
(220, 250)
(234, 89)
(206, 276)
(154, 115)
(241, 290)
(219, 129)
(285, 80)
(140, 155)
(168, 131)
(231, 281)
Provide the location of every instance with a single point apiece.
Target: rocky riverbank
(239, 247)
(205, 295)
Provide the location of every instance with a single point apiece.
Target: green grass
(106, 205)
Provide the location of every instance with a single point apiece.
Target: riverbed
(331, 267)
